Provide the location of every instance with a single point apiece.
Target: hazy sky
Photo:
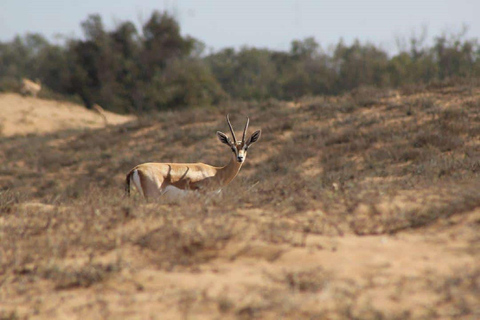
(272, 24)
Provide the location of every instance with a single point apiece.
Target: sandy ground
(400, 277)
(25, 115)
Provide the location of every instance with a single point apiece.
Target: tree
(162, 42)
(359, 65)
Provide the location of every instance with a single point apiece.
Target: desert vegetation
(359, 206)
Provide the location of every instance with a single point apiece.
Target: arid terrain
(363, 206)
(27, 115)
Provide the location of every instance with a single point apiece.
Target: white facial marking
(241, 155)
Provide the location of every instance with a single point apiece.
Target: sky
(269, 24)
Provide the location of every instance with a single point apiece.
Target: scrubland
(363, 206)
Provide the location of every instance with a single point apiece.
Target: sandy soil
(399, 277)
(24, 115)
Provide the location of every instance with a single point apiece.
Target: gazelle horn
(231, 130)
(245, 130)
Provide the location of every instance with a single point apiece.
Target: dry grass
(326, 171)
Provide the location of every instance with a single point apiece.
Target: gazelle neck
(227, 173)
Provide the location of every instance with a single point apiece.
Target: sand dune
(27, 115)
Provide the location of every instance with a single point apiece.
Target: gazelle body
(173, 179)
(30, 87)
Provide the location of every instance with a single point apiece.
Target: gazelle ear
(223, 138)
(254, 137)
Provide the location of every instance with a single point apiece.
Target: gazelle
(155, 179)
(30, 87)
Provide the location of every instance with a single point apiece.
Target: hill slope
(362, 206)
(23, 115)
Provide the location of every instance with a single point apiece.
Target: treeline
(131, 70)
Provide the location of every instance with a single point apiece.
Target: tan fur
(155, 177)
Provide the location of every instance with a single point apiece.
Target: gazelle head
(239, 148)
